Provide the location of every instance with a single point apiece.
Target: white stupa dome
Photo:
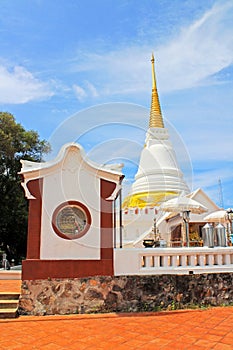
(159, 176)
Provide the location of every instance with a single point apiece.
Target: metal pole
(187, 232)
(120, 216)
(114, 224)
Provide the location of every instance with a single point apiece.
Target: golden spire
(156, 119)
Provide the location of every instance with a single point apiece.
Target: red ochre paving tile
(160, 341)
(176, 345)
(187, 339)
(212, 337)
(78, 346)
(219, 332)
(22, 347)
(197, 329)
(225, 327)
(132, 343)
(4, 344)
(171, 336)
(221, 346)
(206, 343)
(146, 337)
(188, 329)
(52, 346)
(195, 347)
(229, 333)
(119, 347)
(227, 340)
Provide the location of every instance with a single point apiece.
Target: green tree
(15, 143)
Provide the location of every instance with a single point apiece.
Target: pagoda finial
(156, 119)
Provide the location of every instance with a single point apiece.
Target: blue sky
(59, 58)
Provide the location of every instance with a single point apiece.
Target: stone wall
(125, 293)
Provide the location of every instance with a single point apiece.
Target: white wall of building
(71, 183)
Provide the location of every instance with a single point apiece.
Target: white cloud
(210, 142)
(93, 91)
(225, 174)
(199, 51)
(122, 72)
(190, 59)
(196, 53)
(209, 181)
(18, 86)
(116, 149)
(79, 92)
(88, 90)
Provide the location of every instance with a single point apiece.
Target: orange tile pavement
(187, 329)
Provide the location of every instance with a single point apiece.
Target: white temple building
(158, 179)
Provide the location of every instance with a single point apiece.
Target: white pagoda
(159, 176)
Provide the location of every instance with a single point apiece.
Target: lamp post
(186, 218)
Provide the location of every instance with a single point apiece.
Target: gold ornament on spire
(156, 119)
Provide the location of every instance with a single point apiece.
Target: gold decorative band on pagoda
(147, 199)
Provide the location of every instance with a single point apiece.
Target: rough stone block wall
(125, 293)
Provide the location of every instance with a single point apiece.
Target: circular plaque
(71, 220)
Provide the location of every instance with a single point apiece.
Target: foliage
(15, 143)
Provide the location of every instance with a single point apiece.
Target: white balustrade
(133, 261)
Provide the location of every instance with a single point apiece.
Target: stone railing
(154, 261)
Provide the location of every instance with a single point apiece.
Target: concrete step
(8, 313)
(9, 296)
(10, 275)
(8, 304)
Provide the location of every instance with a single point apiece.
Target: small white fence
(157, 261)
